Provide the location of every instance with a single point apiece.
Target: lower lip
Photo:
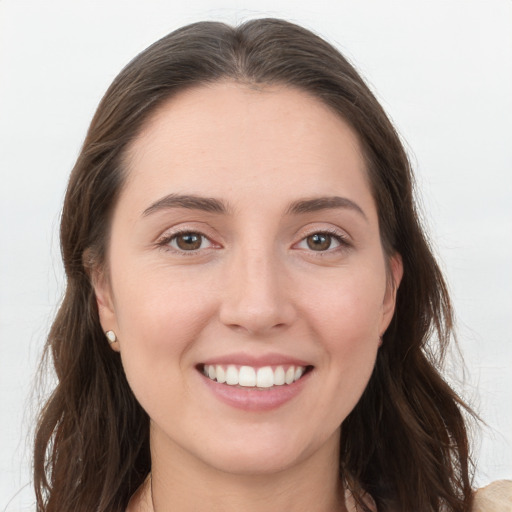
(253, 399)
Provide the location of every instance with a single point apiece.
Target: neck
(181, 483)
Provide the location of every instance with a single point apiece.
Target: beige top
(495, 497)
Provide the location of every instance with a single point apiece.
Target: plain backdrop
(441, 68)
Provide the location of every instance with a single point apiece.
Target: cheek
(345, 314)
(159, 321)
(347, 308)
(160, 307)
(350, 342)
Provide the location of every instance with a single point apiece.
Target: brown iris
(189, 241)
(319, 241)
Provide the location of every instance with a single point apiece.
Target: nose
(256, 298)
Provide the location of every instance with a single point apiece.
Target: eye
(187, 241)
(321, 241)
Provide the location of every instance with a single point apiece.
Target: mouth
(260, 378)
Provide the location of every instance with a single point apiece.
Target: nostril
(253, 328)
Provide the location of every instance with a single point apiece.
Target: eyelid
(198, 227)
(164, 239)
(340, 235)
(317, 227)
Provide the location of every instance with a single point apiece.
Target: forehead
(226, 136)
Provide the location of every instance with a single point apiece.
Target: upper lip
(241, 359)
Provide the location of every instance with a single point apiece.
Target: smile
(252, 377)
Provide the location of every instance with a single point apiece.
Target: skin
(253, 286)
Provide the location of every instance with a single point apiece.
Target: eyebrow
(191, 202)
(324, 203)
(212, 205)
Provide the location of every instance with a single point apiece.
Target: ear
(395, 273)
(105, 303)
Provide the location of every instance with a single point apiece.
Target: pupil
(189, 241)
(319, 242)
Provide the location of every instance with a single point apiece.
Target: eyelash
(164, 242)
(339, 237)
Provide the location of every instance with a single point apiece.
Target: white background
(441, 68)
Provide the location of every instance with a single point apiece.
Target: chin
(258, 462)
(262, 454)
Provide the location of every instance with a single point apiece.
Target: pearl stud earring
(111, 336)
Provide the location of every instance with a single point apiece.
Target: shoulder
(495, 497)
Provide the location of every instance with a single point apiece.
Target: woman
(253, 317)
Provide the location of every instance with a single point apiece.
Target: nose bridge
(255, 298)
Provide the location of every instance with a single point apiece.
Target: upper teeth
(247, 376)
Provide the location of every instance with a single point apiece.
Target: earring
(111, 336)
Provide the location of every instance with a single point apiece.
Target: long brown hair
(405, 443)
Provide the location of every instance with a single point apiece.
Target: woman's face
(245, 245)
